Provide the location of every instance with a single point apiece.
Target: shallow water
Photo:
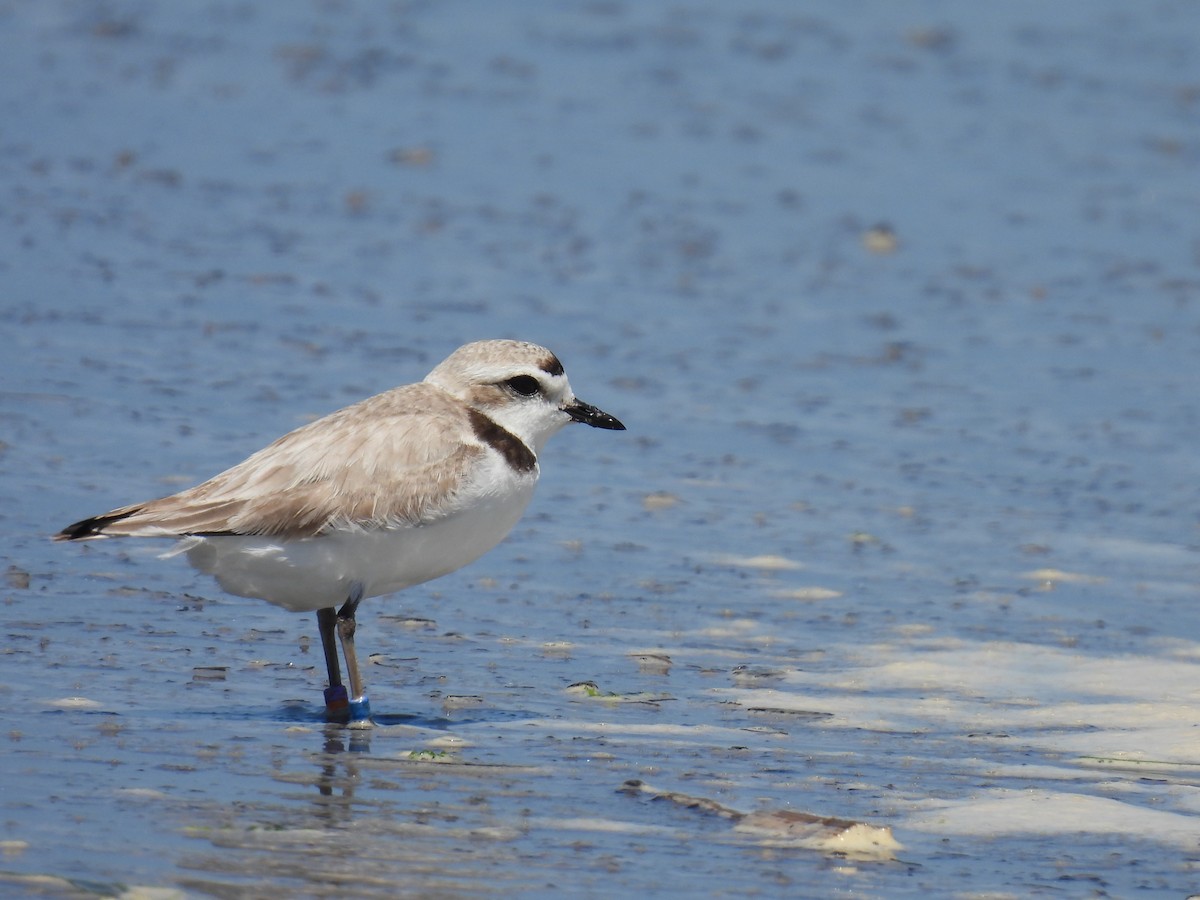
(900, 303)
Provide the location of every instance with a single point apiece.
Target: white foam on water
(1118, 736)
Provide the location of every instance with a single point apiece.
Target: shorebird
(387, 493)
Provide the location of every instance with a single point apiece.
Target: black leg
(326, 623)
(337, 703)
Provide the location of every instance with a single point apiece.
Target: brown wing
(396, 458)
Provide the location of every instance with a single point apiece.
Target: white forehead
(491, 361)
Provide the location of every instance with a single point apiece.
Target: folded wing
(398, 458)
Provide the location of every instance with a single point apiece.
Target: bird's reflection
(338, 772)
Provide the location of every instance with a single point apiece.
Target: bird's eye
(525, 385)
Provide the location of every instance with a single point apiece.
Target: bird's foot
(340, 707)
(360, 711)
(337, 703)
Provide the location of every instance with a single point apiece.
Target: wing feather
(398, 458)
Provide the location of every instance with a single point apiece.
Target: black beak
(589, 415)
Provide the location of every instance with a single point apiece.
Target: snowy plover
(397, 489)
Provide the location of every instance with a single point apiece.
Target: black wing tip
(93, 527)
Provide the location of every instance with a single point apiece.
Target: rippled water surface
(900, 303)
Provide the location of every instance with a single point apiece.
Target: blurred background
(899, 302)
